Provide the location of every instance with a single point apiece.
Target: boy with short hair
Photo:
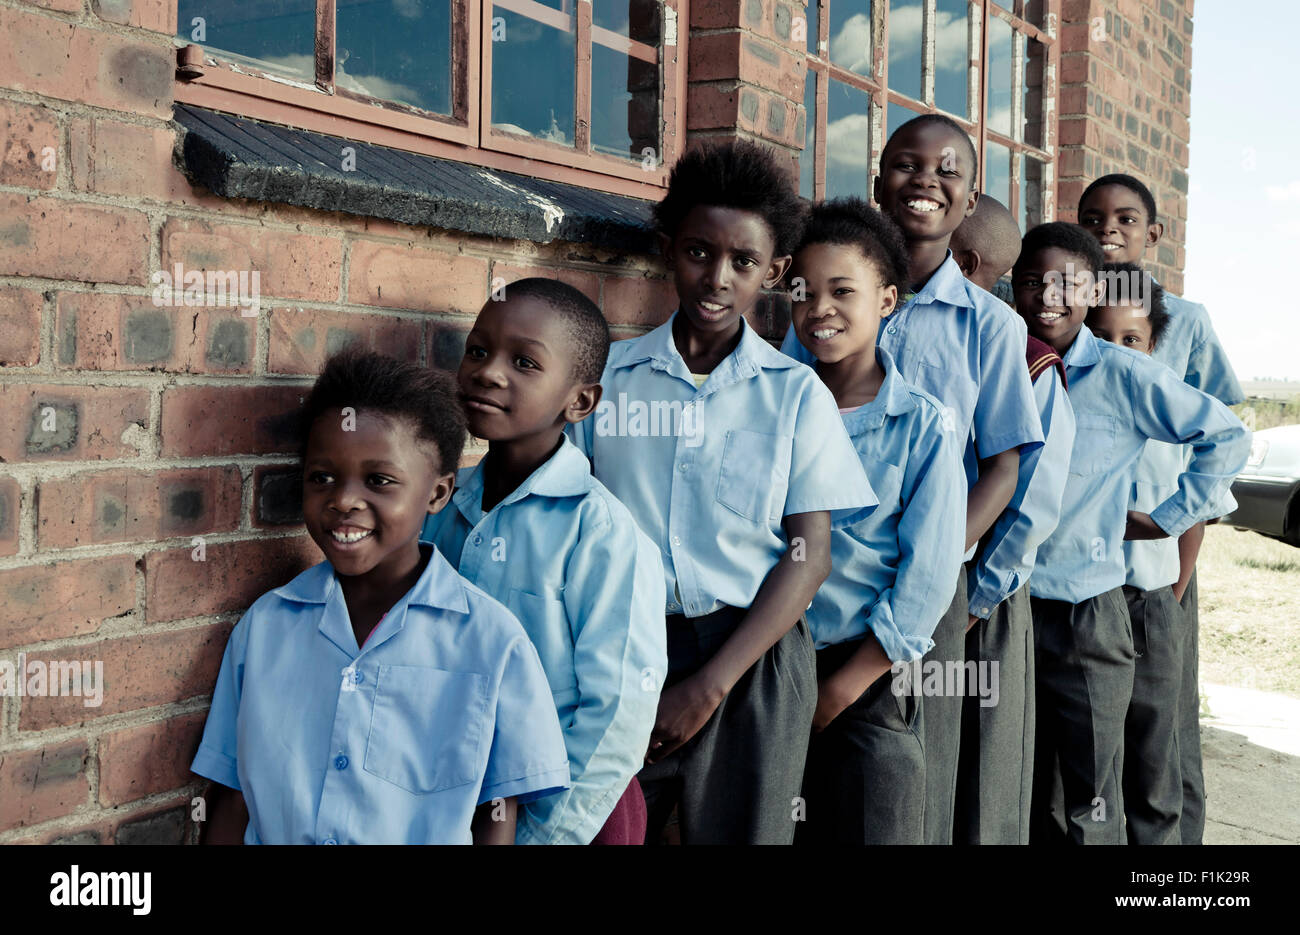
(964, 347)
(378, 697)
(533, 528)
(1082, 632)
(1120, 212)
(738, 492)
(996, 769)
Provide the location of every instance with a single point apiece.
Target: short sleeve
(528, 759)
(216, 759)
(1006, 415)
(825, 470)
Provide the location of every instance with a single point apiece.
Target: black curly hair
(737, 174)
(1126, 181)
(1135, 286)
(1064, 236)
(425, 399)
(585, 326)
(853, 222)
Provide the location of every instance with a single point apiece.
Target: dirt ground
(1250, 611)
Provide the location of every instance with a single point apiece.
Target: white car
(1268, 489)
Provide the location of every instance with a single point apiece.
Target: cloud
(851, 46)
(847, 141)
(1287, 192)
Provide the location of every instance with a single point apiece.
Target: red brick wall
(171, 423)
(1125, 100)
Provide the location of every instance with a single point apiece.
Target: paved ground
(1251, 745)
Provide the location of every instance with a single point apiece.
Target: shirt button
(478, 540)
(677, 540)
(682, 467)
(357, 677)
(340, 762)
(329, 841)
(892, 329)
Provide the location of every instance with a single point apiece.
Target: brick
(50, 602)
(398, 276)
(302, 339)
(711, 106)
(447, 347)
(138, 506)
(154, 15)
(89, 66)
(145, 760)
(717, 14)
(139, 671)
(20, 326)
(277, 495)
(289, 265)
(42, 784)
(730, 56)
(71, 423)
(10, 514)
(228, 419)
(62, 240)
(98, 331)
(586, 283)
(29, 146)
(115, 158)
(63, 6)
(640, 301)
(166, 827)
(231, 577)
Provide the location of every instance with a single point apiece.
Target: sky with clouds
(1243, 223)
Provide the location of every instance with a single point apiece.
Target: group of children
(742, 573)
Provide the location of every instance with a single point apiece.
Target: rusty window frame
(205, 80)
(877, 85)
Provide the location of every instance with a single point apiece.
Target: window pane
(1031, 192)
(396, 50)
(812, 13)
(850, 30)
(952, 56)
(896, 117)
(624, 88)
(533, 74)
(999, 76)
(997, 172)
(848, 141)
(905, 47)
(276, 35)
(1035, 59)
(807, 161)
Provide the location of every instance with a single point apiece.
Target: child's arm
(785, 593)
(991, 493)
(1189, 547)
(494, 822)
(847, 683)
(227, 817)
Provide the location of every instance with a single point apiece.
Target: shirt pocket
(426, 726)
(956, 392)
(887, 481)
(754, 474)
(1094, 443)
(546, 621)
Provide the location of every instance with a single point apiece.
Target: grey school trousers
(941, 726)
(865, 778)
(1153, 785)
(1192, 822)
(995, 774)
(1084, 670)
(738, 780)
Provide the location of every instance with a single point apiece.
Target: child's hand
(832, 699)
(1142, 526)
(683, 710)
(971, 620)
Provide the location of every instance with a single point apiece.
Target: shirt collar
(751, 355)
(893, 399)
(946, 284)
(1083, 352)
(567, 473)
(438, 586)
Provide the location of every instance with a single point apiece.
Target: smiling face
(721, 260)
(368, 483)
(1127, 324)
(844, 299)
(515, 379)
(1054, 290)
(1114, 214)
(926, 182)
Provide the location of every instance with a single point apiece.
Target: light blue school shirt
(1121, 398)
(1191, 349)
(894, 570)
(445, 708)
(568, 560)
(966, 349)
(1008, 557)
(760, 439)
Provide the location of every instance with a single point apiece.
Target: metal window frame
(463, 135)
